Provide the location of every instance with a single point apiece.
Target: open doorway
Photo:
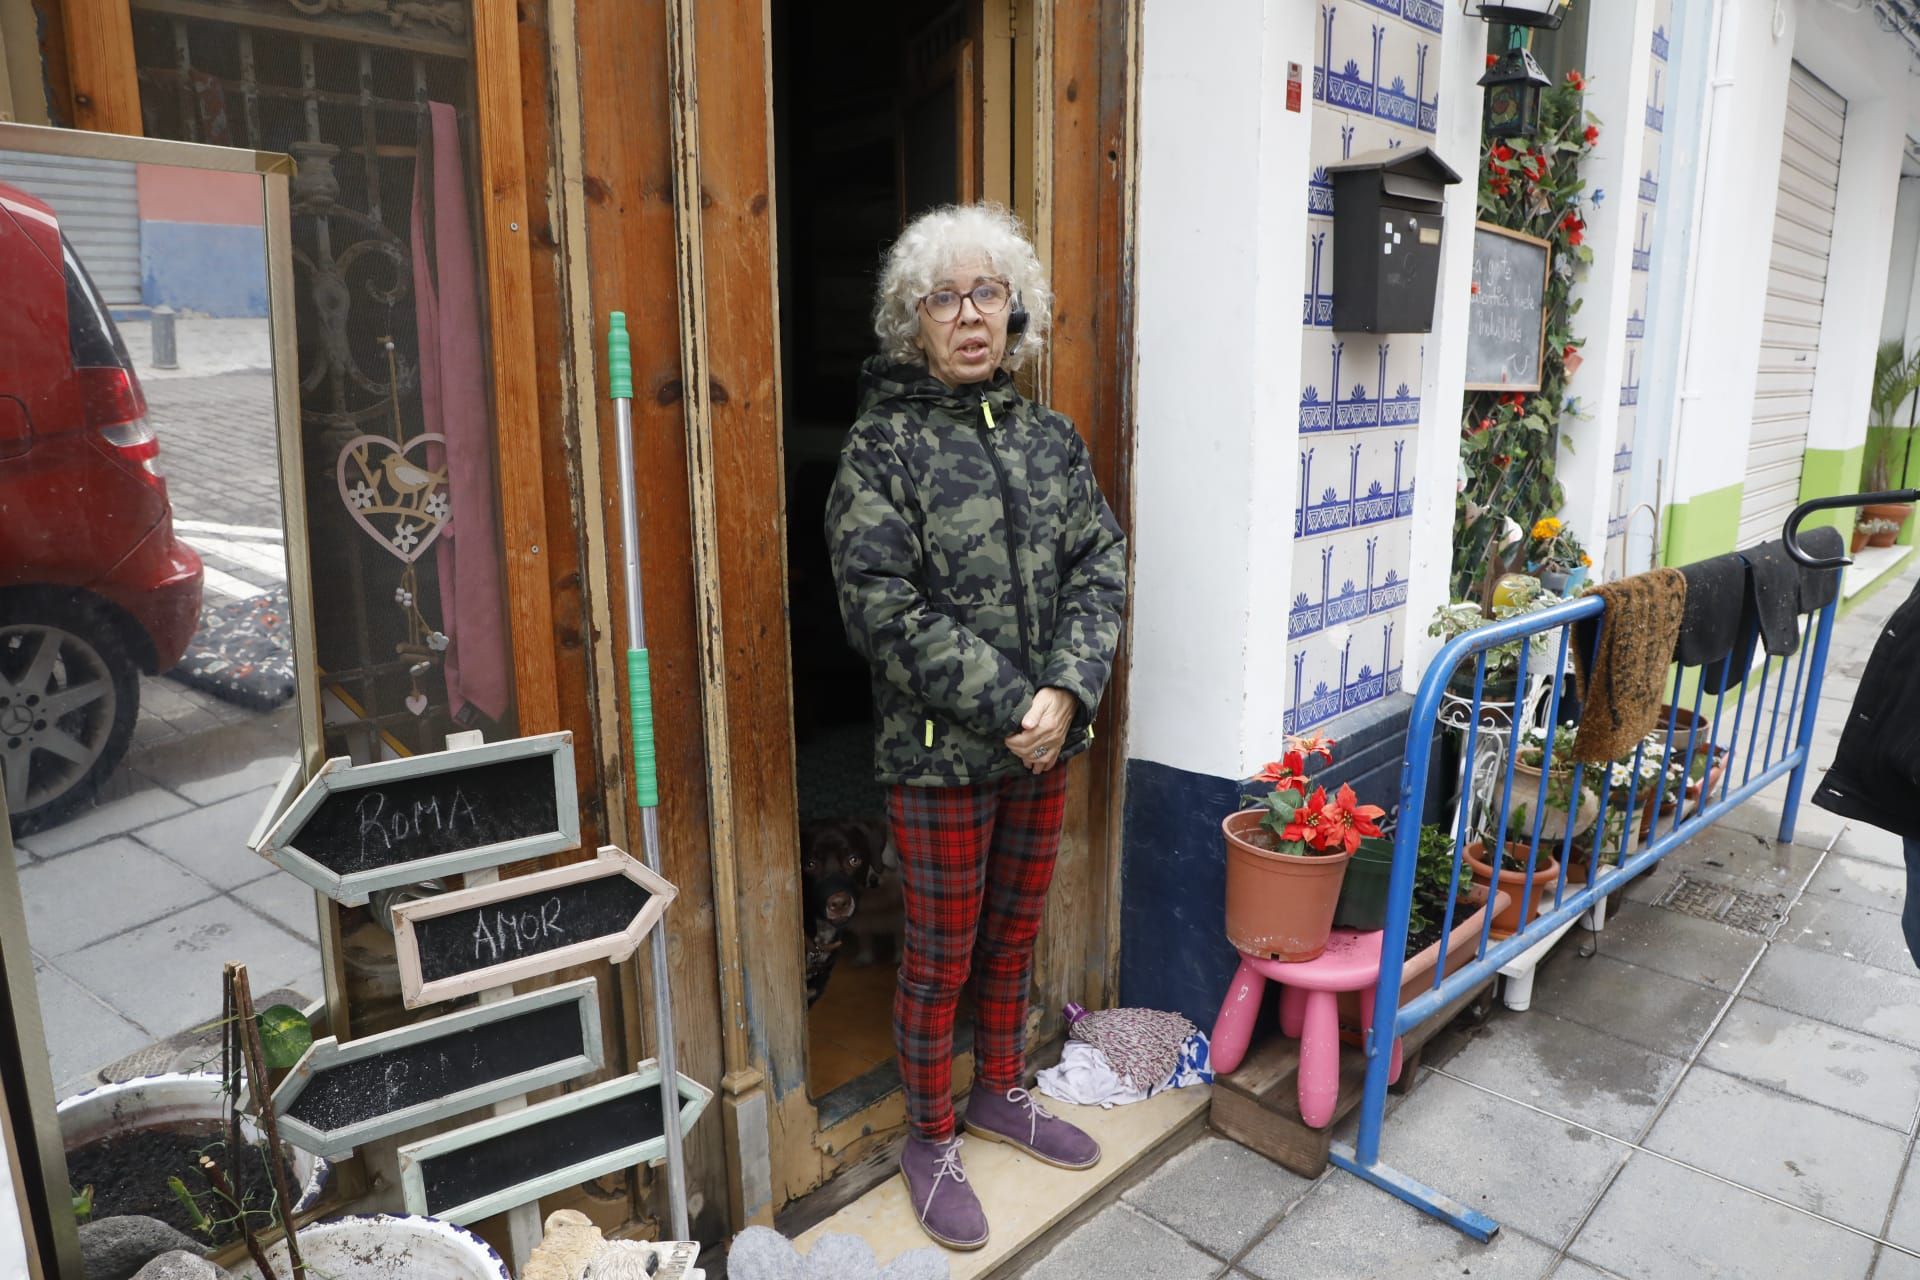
(878, 109)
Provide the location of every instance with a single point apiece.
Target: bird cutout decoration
(393, 492)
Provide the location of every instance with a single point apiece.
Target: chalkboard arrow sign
(358, 828)
(339, 1096)
(474, 939)
(498, 1164)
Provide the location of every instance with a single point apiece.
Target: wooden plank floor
(1024, 1199)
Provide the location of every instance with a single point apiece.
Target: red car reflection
(94, 587)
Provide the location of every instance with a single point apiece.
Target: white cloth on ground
(1086, 1079)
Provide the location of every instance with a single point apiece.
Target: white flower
(361, 496)
(406, 537)
(437, 505)
(402, 596)
(438, 641)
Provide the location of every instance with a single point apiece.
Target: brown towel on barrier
(1620, 696)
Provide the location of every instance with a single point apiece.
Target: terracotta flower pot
(1898, 512)
(1858, 540)
(1884, 538)
(1513, 884)
(1279, 906)
(1416, 975)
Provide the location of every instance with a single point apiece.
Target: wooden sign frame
(340, 775)
(329, 1054)
(608, 863)
(693, 1102)
(1546, 279)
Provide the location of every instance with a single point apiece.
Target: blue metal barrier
(1642, 841)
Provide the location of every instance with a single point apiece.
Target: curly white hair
(930, 246)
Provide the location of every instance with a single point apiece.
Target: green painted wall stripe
(1825, 472)
(1702, 526)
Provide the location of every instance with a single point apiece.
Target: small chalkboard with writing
(1507, 316)
(339, 1096)
(474, 939)
(494, 1165)
(358, 828)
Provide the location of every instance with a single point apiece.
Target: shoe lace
(949, 1167)
(1035, 1112)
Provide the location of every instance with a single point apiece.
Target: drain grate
(1755, 913)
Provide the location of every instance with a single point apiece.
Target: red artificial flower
(1570, 352)
(1501, 185)
(1593, 134)
(1502, 461)
(1575, 227)
(1306, 819)
(1503, 153)
(1492, 58)
(1516, 399)
(1286, 775)
(1486, 424)
(1341, 824)
(1577, 81)
(1476, 286)
(1308, 745)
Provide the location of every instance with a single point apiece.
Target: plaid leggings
(976, 862)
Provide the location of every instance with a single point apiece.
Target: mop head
(1143, 1046)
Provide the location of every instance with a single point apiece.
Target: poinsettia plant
(1510, 441)
(1311, 824)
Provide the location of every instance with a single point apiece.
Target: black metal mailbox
(1387, 218)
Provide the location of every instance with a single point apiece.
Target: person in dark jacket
(1875, 776)
(982, 576)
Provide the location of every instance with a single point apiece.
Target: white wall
(1720, 360)
(1895, 316)
(1222, 165)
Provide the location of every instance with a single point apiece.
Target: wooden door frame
(1082, 77)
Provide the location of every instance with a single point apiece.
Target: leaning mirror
(155, 632)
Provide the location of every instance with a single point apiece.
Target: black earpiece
(1016, 323)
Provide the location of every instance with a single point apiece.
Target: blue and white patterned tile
(1350, 40)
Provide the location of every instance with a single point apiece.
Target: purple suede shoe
(1017, 1118)
(942, 1201)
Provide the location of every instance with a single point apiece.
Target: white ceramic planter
(153, 1101)
(386, 1247)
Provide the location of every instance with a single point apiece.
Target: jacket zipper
(983, 430)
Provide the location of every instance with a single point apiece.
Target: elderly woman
(982, 576)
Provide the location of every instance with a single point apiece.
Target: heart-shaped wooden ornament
(393, 494)
(417, 703)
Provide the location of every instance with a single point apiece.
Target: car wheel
(69, 694)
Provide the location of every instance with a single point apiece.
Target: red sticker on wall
(1293, 86)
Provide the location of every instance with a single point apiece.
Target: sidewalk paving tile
(1871, 937)
(1862, 841)
(83, 1034)
(1218, 1194)
(1660, 1221)
(169, 970)
(286, 901)
(212, 841)
(1813, 826)
(1680, 946)
(1891, 1264)
(1903, 1228)
(1350, 1228)
(1639, 1005)
(1585, 1075)
(1817, 984)
(1572, 1268)
(228, 763)
(115, 817)
(1526, 1170)
(1119, 1241)
(1861, 883)
(1821, 1160)
(90, 894)
(1822, 1063)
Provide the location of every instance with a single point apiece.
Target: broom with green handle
(646, 788)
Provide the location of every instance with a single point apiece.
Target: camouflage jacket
(976, 563)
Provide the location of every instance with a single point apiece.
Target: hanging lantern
(1513, 87)
(1546, 14)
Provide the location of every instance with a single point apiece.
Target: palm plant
(1896, 377)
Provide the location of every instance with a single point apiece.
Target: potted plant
(1511, 880)
(1558, 558)
(1559, 804)
(1363, 892)
(1875, 531)
(1514, 596)
(1896, 377)
(386, 1247)
(1287, 856)
(1858, 538)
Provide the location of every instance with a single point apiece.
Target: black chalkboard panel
(1506, 317)
(356, 1092)
(529, 925)
(497, 1164)
(407, 819)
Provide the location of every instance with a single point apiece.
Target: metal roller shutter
(1796, 294)
(98, 205)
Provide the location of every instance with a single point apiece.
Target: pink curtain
(453, 398)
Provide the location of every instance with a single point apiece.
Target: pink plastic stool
(1309, 1010)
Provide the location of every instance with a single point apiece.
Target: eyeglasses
(989, 296)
